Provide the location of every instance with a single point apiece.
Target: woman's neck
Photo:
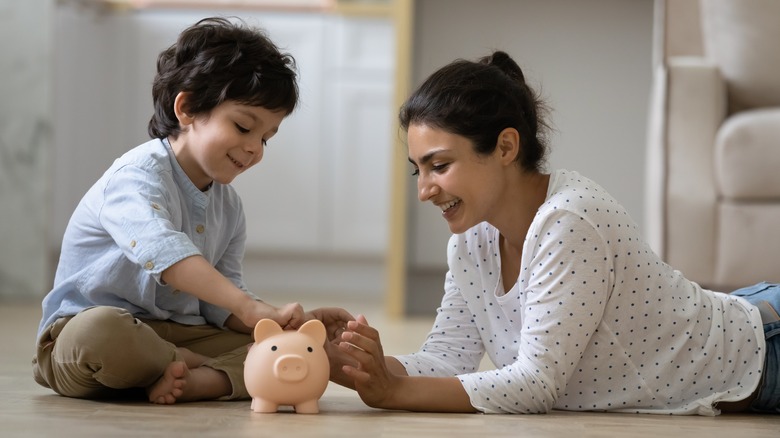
(523, 200)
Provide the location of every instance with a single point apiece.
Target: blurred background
(332, 209)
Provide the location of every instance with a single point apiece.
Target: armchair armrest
(688, 106)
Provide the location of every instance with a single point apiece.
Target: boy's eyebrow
(427, 157)
(247, 113)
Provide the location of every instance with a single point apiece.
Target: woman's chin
(457, 228)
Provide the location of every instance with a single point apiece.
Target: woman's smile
(450, 208)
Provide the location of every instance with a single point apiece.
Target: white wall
(317, 205)
(591, 59)
(25, 146)
(592, 62)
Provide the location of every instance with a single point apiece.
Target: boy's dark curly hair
(218, 60)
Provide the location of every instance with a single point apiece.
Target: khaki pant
(106, 351)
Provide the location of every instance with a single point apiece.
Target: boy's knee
(106, 315)
(99, 327)
(107, 347)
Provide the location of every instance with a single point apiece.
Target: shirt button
(200, 229)
(155, 206)
(176, 291)
(132, 244)
(149, 265)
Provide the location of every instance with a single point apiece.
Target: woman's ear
(180, 105)
(508, 146)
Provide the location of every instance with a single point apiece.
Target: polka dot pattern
(596, 321)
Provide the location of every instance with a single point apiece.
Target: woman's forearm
(426, 394)
(429, 394)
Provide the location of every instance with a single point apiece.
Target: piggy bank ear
(315, 329)
(266, 328)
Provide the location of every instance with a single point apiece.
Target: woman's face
(463, 184)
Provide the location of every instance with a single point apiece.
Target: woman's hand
(382, 381)
(335, 320)
(369, 373)
(337, 360)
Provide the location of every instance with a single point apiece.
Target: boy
(149, 290)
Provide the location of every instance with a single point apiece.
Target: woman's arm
(382, 382)
(454, 344)
(554, 324)
(339, 358)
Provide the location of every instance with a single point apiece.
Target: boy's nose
(255, 150)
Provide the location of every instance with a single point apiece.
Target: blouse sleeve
(566, 281)
(453, 346)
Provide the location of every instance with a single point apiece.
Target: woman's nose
(426, 189)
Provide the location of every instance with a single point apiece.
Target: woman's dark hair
(217, 60)
(478, 100)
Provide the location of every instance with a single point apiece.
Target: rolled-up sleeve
(136, 213)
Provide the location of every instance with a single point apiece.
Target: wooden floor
(29, 410)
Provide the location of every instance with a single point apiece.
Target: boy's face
(228, 141)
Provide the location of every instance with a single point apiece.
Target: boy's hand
(288, 316)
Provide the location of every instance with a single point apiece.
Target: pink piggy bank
(286, 367)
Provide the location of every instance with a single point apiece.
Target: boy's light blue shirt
(142, 216)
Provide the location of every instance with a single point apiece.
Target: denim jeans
(766, 297)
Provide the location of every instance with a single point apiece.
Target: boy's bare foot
(192, 359)
(170, 386)
(181, 384)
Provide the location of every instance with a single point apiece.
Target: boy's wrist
(233, 322)
(243, 307)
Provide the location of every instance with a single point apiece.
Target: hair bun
(505, 63)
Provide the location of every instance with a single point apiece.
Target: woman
(551, 278)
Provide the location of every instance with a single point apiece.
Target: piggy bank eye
(273, 348)
(310, 349)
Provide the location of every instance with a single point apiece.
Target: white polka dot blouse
(596, 321)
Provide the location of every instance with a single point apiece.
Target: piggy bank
(287, 367)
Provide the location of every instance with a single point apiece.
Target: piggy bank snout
(290, 368)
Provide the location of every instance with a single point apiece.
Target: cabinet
(285, 194)
(359, 125)
(323, 185)
(318, 205)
